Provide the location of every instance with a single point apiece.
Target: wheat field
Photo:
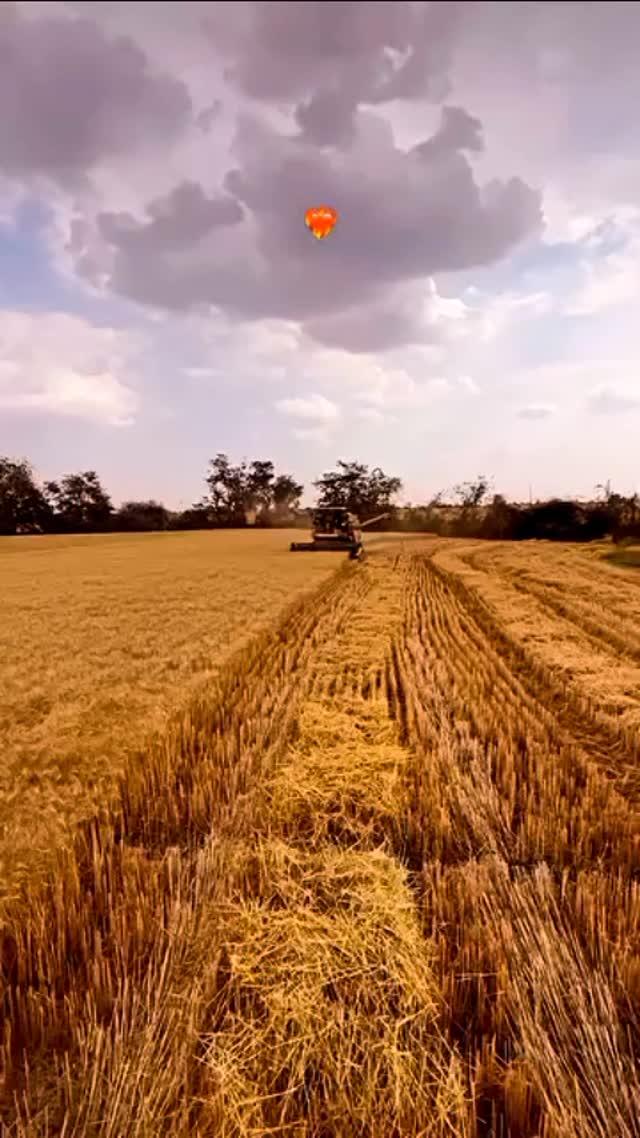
(369, 868)
(101, 638)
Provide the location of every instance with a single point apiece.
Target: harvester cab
(335, 530)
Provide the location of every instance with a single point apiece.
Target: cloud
(199, 372)
(609, 401)
(373, 53)
(77, 97)
(63, 365)
(186, 216)
(610, 277)
(468, 383)
(404, 216)
(311, 434)
(405, 314)
(232, 237)
(371, 415)
(500, 312)
(315, 408)
(394, 389)
(208, 115)
(99, 397)
(536, 411)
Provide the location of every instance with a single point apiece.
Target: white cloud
(99, 397)
(562, 223)
(608, 281)
(311, 434)
(397, 390)
(199, 372)
(613, 401)
(501, 312)
(468, 383)
(371, 415)
(315, 408)
(536, 411)
(451, 312)
(64, 365)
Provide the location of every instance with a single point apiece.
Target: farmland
(376, 871)
(101, 637)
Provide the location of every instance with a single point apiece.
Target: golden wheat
(101, 637)
(377, 877)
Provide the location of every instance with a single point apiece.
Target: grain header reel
(335, 530)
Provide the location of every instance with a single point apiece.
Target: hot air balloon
(321, 219)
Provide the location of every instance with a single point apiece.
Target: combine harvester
(335, 530)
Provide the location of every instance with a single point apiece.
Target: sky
(475, 309)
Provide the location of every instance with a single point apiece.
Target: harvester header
(335, 530)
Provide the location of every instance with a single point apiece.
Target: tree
(557, 519)
(142, 516)
(501, 519)
(352, 485)
(79, 503)
(623, 514)
(259, 486)
(23, 507)
(286, 495)
(235, 492)
(227, 500)
(195, 517)
(472, 494)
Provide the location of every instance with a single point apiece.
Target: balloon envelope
(321, 219)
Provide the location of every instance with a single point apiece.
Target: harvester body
(334, 530)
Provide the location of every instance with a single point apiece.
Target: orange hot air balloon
(321, 219)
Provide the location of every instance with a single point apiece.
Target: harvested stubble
(374, 883)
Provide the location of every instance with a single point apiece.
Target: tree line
(478, 513)
(236, 495)
(256, 494)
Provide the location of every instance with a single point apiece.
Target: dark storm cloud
(333, 57)
(403, 216)
(284, 50)
(328, 117)
(70, 96)
(183, 218)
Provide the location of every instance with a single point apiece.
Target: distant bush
(141, 516)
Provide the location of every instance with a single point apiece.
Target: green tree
(226, 502)
(622, 513)
(234, 491)
(142, 516)
(501, 519)
(259, 479)
(23, 506)
(195, 517)
(79, 503)
(364, 492)
(286, 495)
(472, 494)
